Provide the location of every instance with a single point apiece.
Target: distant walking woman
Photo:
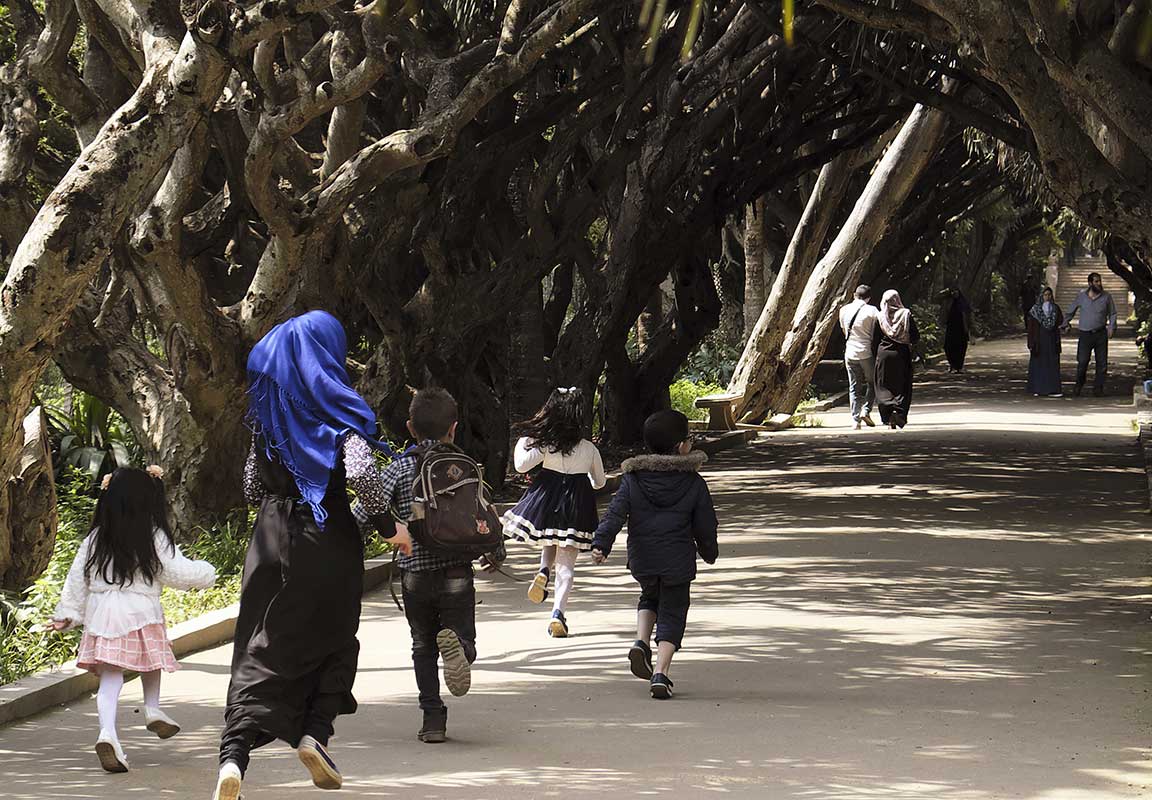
(957, 329)
(896, 333)
(1044, 321)
(295, 650)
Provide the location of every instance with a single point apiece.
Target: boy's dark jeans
(433, 600)
(670, 601)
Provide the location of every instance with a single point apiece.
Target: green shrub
(684, 393)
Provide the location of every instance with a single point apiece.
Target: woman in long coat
(895, 334)
(295, 649)
(957, 329)
(1044, 321)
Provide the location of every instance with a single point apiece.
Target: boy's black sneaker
(435, 727)
(640, 657)
(661, 686)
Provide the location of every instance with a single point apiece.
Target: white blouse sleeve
(180, 572)
(525, 457)
(74, 597)
(596, 470)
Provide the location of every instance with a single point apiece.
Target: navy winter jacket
(669, 514)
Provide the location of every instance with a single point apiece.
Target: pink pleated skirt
(144, 650)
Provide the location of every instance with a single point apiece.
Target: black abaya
(956, 333)
(894, 375)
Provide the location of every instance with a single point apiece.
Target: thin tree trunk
(31, 499)
(754, 266)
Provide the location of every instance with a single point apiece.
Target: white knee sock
(565, 573)
(151, 683)
(547, 557)
(108, 698)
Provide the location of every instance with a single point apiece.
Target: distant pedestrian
(113, 590)
(1097, 325)
(957, 329)
(896, 333)
(858, 321)
(1044, 323)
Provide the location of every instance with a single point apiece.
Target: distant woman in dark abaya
(295, 649)
(895, 334)
(957, 329)
(1044, 321)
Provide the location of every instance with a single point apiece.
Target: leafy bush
(90, 437)
(684, 393)
(712, 362)
(927, 316)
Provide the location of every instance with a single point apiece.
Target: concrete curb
(44, 690)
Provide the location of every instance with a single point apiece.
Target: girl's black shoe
(640, 658)
(661, 686)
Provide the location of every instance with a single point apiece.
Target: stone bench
(721, 416)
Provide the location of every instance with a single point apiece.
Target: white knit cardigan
(108, 610)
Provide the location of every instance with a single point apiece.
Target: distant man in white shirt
(858, 321)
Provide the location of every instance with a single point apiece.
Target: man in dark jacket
(670, 519)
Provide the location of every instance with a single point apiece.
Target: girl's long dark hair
(124, 526)
(559, 425)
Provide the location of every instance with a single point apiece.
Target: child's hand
(598, 557)
(402, 541)
(57, 625)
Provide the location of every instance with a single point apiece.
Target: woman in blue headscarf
(295, 648)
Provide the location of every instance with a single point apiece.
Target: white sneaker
(228, 784)
(111, 755)
(320, 765)
(160, 723)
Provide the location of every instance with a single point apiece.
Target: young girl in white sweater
(113, 590)
(558, 512)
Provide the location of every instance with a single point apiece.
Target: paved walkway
(957, 610)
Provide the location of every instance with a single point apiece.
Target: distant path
(958, 610)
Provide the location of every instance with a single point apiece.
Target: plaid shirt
(398, 480)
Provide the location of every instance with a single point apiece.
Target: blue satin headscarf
(301, 401)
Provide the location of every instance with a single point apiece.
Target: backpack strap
(851, 322)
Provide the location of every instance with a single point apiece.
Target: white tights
(108, 697)
(564, 559)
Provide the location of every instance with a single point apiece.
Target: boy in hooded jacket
(670, 518)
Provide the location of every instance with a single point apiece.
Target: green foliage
(713, 361)
(90, 437)
(27, 647)
(927, 318)
(684, 393)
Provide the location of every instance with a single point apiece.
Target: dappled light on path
(957, 610)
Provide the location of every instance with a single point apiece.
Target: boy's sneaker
(320, 765)
(111, 755)
(160, 723)
(640, 657)
(435, 727)
(538, 589)
(228, 784)
(558, 627)
(457, 670)
(661, 686)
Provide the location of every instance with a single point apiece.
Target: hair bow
(563, 390)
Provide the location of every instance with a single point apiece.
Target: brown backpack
(450, 512)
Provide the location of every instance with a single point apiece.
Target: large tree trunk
(781, 389)
(755, 264)
(30, 500)
(761, 356)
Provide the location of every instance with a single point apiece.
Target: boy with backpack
(670, 519)
(440, 492)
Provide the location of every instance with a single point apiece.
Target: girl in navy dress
(558, 512)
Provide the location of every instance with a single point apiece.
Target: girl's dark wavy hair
(124, 525)
(559, 425)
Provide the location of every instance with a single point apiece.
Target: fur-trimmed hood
(665, 480)
(658, 463)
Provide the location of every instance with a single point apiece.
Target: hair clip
(563, 390)
(155, 470)
(104, 483)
